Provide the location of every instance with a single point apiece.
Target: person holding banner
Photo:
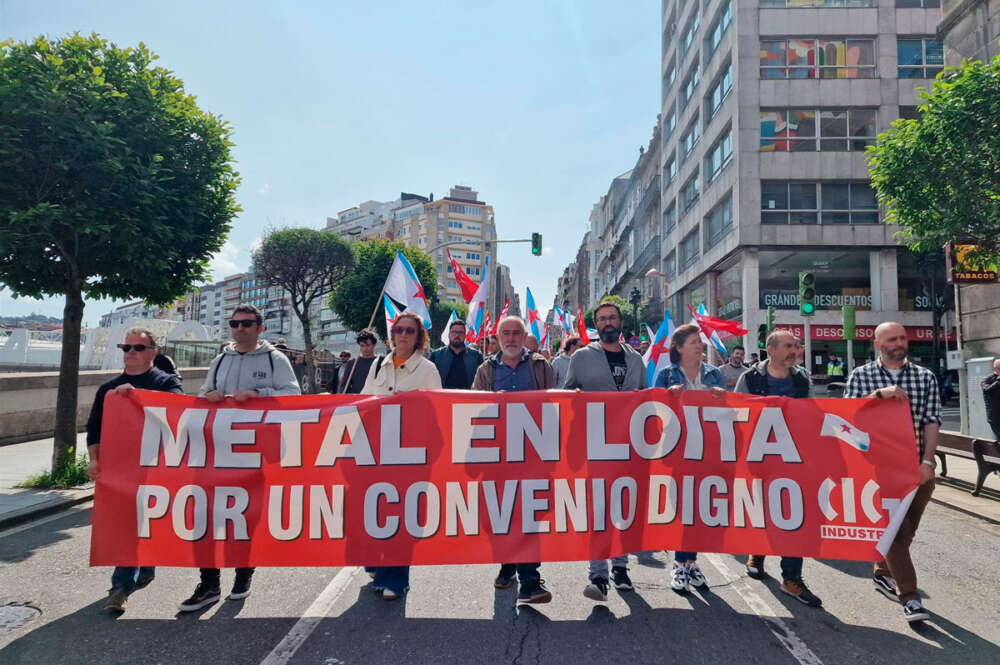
(404, 369)
(688, 371)
(607, 365)
(139, 351)
(249, 367)
(780, 375)
(457, 363)
(515, 369)
(893, 376)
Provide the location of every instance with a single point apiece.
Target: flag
(834, 425)
(447, 327)
(503, 313)
(649, 333)
(477, 307)
(582, 326)
(403, 286)
(465, 283)
(487, 324)
(534, 321)
(391, 314)
(658, 354)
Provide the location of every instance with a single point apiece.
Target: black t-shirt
(616, 361)
(154, 379)
(457, 378)
(364, 365)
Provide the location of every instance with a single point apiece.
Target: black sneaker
(914, 610)
(241, 587)
(597, 589)
(533, 592)
(117, 599)
(798, 590)
(505, 578)
(620, 578)
(886, 586)
(203, 596)
(755, 566)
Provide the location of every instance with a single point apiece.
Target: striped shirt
(918, 382)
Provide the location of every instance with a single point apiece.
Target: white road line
(304, 627)
(800, 652)
(49, 518)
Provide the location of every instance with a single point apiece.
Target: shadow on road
(20, 547)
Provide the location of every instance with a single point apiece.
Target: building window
(814, 4)
(689, 249)
(719, 155)
(919, 58)
(907, 4)
(817, 58)
(689, 193)
(909, 112)
(689, 33)
(690, 84)
(719, 92)
(719, 223)
(669, 218)
(669, 77)
(794, 130)
(670, 170)
(689, 139)
(718, 30)
(670, 124)
(473, 211)
(670, 264)
(794, 202)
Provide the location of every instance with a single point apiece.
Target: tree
(939, 175)
(307, 264)
(627, 311)
(358, 294)
(113, 183)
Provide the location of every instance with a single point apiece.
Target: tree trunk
(64, 445)
(307, 340)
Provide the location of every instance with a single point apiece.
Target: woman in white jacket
(404, 369)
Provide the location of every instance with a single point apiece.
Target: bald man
(991, 395)
(892, 376)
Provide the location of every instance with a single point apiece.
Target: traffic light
(771, 313)
(536, 244)
(807, 293)
(762, 336)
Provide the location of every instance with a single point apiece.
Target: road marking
(48, 518)
(311, 618)
(800, 652)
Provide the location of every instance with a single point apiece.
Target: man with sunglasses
(139, 352)
(249, 367)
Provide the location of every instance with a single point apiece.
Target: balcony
(652, 192)
(649, 257)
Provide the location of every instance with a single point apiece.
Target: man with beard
(457, 363)
(606, 365)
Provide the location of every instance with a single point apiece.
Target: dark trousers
(526, 572)
(211, 575)
(996, 431)
(684, 557)
(791, 568)
(897, 562)
(125, 577)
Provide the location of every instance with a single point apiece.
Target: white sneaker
(695, 577)
(679, 580)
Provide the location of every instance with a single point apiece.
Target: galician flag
(447, 327)
(700, 319)
(477, 306)
(534, 321)
(403, 286)
(658, 354)
(391, 314)
(834, 425)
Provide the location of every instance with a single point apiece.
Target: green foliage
(440, 312)
(112, 180)
(71, 474)
(627, 312)
(360, 291)
(939, 175)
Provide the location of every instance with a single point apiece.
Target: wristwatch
(929, 462)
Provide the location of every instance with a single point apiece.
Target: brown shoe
(798, 590)
(755, 566)
(117, 600)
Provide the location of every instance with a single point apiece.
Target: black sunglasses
(403, 330)
(138, 347)
(246, 323)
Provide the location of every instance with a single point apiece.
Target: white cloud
(224, 262)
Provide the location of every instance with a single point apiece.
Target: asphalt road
(453, 615)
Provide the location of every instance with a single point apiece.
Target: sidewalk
(20, 461)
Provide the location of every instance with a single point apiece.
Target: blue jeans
(684, 557)
(393, 578)
(125, 577)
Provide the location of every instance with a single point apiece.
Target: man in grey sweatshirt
(249, 367)
(607, 365)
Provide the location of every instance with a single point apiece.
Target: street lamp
(653, 272)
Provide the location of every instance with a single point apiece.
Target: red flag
(503, 313)
(724, 329)
(485, 329)
(581, 325)
(465, 282)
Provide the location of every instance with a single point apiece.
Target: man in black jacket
(991, 395)
(457, 363)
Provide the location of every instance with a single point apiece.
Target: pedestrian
(516, 369)
(560, 365)
(607, 365)
(991, 396)
(754, 359)
(780, 375)
(893, 376)
(643, 347)
(404, 369)
(457, 363)
(248, 367)
(359, 366)
(687, 371)
(531, 343)
(734, 368)
(492, 345)
(139, 354)
(834, 367)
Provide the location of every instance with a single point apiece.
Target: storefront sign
(959, 270)
(835, 333)
(790, 300)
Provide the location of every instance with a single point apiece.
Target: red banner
(449, 477)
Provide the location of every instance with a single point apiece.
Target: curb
(43, 508)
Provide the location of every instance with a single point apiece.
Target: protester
(643, 347)
(530, 343)
(607, 365)
(688, 371)
(545, 353)
(779, 375)
(991, 396)
(457, 363)
(560, 365)
(139, 353)
(893, 376)
(248, 367)
(402, 370)
(359, 366)
(492, 345)
(515, 369)
(754, 359)
(733, 370)
(834, 366)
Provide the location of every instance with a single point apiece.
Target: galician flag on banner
(391, 314)
(534, 320)
(403, 286)
(477, 306)
(447, 327)
(834, 425)
(658, 354)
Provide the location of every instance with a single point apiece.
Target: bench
(985, 452)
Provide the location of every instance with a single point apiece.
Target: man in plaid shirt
(892, 376)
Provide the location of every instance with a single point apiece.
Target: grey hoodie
(265, 369)
(589, 370)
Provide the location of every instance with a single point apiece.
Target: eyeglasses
(246, 323)
(138, 347)
(400, 330)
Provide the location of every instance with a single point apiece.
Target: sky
(536, 105)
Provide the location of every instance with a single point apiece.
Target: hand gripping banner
(450, 477)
